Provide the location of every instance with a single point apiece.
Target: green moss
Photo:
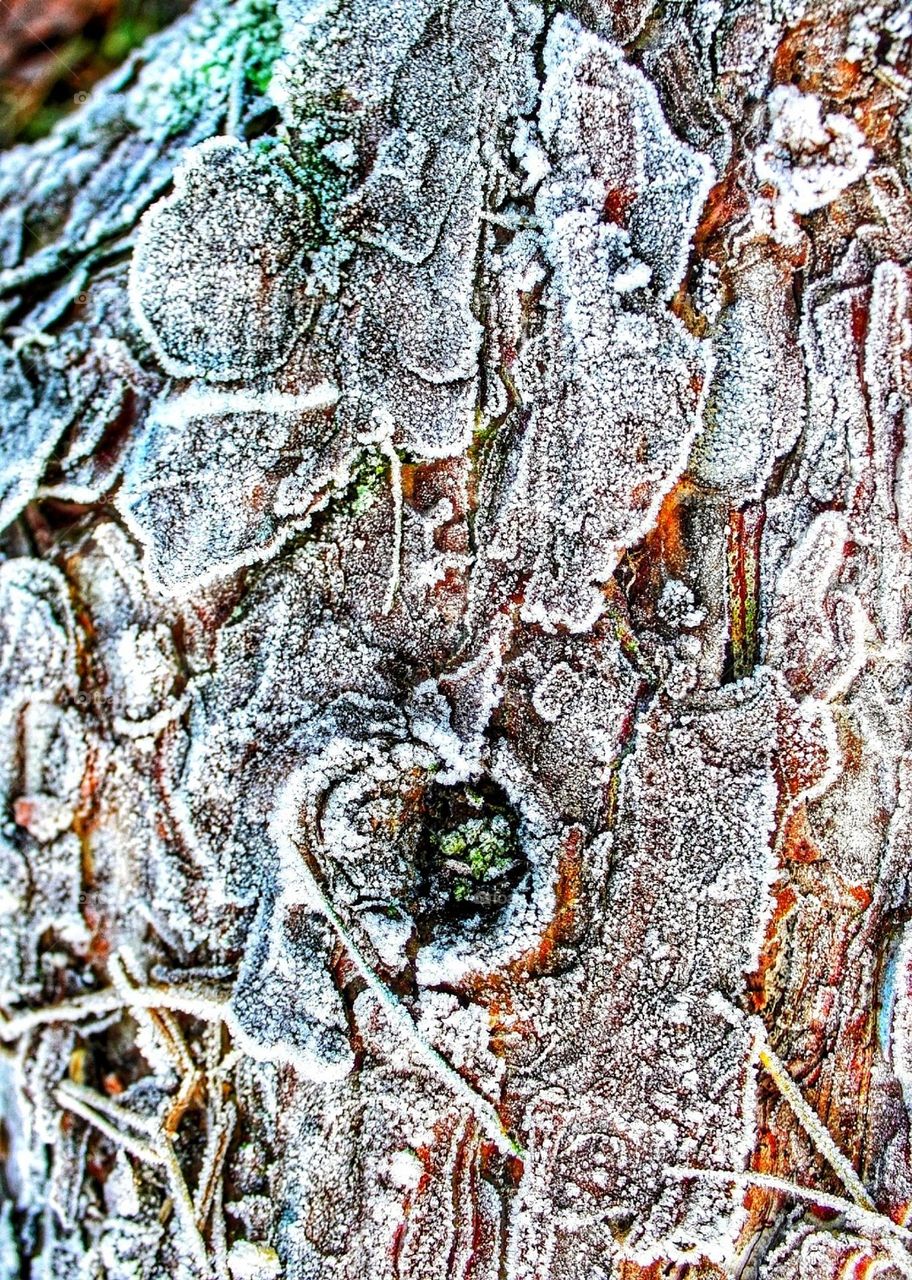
(264, 45)
(483, 846)
(367, 482)
(201, 79)
(469, 856)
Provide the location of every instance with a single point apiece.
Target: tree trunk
(454, 664)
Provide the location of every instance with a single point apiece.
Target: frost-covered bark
(454, 648)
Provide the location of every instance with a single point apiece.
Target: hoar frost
(453, 658)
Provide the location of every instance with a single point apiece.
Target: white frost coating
(510, 246)
(577, 699)
(815, 632)
(755, 402)
(663, 1065)
(809, 158)
(678, 606)
(199, 404)
(808, 1253)
(411, 342)
(837, 419)
(455, 726)
(614, 383)
(283, 457)
(42, 758)
(215, 275)
(649, 184)
(285, 1007)
(247, 1261)
(337, 801)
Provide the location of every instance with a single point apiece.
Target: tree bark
(454, 660)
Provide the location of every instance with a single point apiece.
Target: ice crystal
(454, 623)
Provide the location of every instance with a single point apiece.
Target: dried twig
(143, 1151)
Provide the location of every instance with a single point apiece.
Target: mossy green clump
(200, 80)
(469, 856)
(368, 480)
(264, 45)
(480, 850)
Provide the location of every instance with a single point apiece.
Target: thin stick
(878, 1222)
(813, 1125)
(402, 1020)
(171, 1032)
(179, 1106)
(206, 1008)
(183, 1205)
(236, 91)
(147, 1125)
(125, 975)
(135, 1146)
(20, 1024)
(217, 1144)
(217, 1233)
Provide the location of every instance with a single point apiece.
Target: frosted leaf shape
(612, 149)
(37, 640)
(215, 277)
(194, 524)
(285, 1004)
(810, 158)
(612, 385)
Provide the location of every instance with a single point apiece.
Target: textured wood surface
(454, 648)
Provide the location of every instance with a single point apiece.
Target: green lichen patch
(223, 45)
(264, 47)
(470, 858)
(367, 483)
